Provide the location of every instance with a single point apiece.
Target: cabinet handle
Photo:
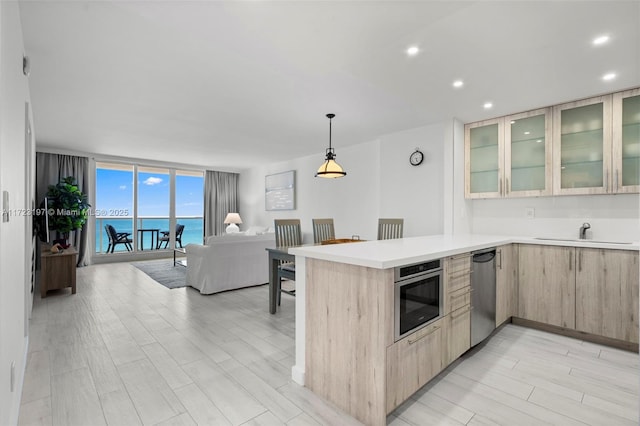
(580, 261)
(463, 274)
(460, 292)
(412, 341)
(615, 188)
(506, 186)
(570, 261)
(499, 258)
(460, 312)
(500, 186)
(606, 181)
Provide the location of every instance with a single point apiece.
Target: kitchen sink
(583, 241)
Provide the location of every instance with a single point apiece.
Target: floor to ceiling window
(190, 205)
(143, 203)
(153, 213)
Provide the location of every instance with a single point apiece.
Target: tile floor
(127, 351)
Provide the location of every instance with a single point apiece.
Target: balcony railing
(193, 231)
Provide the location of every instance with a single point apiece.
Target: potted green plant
(68, 208)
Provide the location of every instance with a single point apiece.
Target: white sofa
(227, 262)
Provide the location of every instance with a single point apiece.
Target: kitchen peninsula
(347, 350)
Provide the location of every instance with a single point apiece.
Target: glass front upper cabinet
(582, 147)
(626, 141)
(528, 154)
(484, 157)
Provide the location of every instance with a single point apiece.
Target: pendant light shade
(330, 169)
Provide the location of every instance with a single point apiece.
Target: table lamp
(232, 219)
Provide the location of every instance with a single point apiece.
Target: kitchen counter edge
(405, 251)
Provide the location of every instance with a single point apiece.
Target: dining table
(281, 254)
(155, 236)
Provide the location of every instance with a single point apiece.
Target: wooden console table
(58, 270)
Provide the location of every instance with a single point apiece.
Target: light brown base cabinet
(590, 290)
(546, 281)
(506, 283)
(607, 293)
(412, 362)
(351, 357)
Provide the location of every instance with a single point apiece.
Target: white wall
(13, 95)
(612, 217)
(351, 201)
(380, 182)
(415, 193)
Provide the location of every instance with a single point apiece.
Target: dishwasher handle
(484, 257)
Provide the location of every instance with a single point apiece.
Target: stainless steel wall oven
(418, 296)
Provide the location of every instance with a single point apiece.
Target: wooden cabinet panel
(458, 299)
(582, 147)
(607, 293)
(457, 334)
(483, 158)
(547, 284)
(412, 362)
(527, 154)
(457, 276)
(506, 283)
(626, 141)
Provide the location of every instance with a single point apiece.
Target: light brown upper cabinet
(626, 141)
(591, 146)
(484, 153)
(582, 147)
(527, 155)
(509, 156)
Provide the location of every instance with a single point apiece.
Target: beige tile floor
(127, 351)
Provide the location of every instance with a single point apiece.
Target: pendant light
(330, 169)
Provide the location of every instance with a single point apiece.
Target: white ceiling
(233, 84)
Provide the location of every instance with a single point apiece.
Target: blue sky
(114, 194)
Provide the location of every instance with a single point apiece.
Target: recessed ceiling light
(539, 141)
(487, 105)
(513, 122)
(609, 76)
(527, 133)
(413, 51)
(600, 40)
(458, 83)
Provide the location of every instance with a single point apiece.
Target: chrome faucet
(583, 230)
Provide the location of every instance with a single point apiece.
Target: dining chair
(116, 238)
(389, 229)
(165, 238)
(323, 230)
(288, 234)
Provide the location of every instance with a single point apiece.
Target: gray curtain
(220, 198)
(50, 168)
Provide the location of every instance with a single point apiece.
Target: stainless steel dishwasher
(483, 295)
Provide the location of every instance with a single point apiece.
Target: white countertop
(404, 251)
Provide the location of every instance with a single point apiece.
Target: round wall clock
(416, 157)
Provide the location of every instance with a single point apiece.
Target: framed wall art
(280, 191)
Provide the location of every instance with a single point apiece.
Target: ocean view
(193, 230)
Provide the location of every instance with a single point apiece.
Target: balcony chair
(323, 230)
(389, 229)
(116, 238)
(288, 234)
(165, 238)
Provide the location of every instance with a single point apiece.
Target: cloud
(123, 187)
(152, 181)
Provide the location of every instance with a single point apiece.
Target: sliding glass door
(145, 206)
(114, 205)
(153, 212)
(190, 205)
